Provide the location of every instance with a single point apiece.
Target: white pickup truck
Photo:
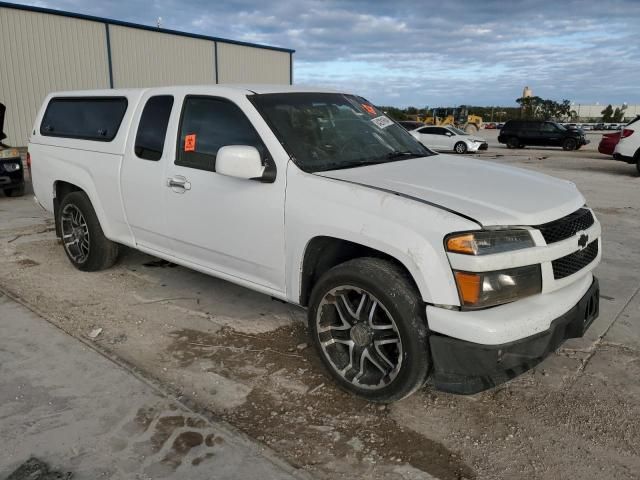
(413, 266)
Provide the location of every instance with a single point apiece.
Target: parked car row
(594, 126)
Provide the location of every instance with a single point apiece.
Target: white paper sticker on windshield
(382, 121)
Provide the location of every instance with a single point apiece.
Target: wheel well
(323, 253)
(61, 189)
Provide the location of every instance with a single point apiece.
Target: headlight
(487, 289)
(11, 167)
(485, 242)
(9, 153)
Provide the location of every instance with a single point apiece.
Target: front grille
(570, 264)
(566, 227)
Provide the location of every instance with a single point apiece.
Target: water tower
(527, 92)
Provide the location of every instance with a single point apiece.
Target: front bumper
(11, 179)
(476, 146)
(465, 368)
(623, 158)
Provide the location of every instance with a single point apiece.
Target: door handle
(178, 182)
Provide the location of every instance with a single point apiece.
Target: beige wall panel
(141, 58)
(41, 53)
(240, 64)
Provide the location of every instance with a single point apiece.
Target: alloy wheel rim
(359, 337)
(75, 233)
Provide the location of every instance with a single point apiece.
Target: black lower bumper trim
(466, 368)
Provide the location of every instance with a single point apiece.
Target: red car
(608, 143)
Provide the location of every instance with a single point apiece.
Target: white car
(412, 265)
(448, 139)
(628, 147)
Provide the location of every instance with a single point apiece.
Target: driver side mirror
(449, 134)
(242, 161)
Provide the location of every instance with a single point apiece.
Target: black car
(521, 133)
(11, 168)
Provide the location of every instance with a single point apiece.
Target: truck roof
(246, 89)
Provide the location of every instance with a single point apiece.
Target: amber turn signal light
(462, 244)
(469, 287)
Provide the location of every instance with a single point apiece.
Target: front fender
(407, 230)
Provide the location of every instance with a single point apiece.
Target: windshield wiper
(373, 161)
(398, 154)
(361, 163)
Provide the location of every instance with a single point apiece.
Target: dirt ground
(246, 358)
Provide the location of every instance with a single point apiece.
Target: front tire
(368, 325)
(513, 142)
(460, 147)
(82, 237)
(569, 144)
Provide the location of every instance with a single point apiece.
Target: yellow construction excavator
(458, 117)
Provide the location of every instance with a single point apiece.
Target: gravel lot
(244, 358)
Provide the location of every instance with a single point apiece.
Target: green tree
(618, 114)
(544, 109)
(607, 114)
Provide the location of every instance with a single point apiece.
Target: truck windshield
(330, 131)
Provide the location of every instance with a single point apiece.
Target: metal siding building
(46, 50)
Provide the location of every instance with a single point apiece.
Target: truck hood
(489, 193)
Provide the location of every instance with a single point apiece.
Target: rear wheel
(368, 324)
(460, 147)
(636, 157)
(15, 192)
(569, 144)
(82, 237)
(513, 142)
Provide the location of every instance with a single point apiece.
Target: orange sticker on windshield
(370, 110)
(190, 143)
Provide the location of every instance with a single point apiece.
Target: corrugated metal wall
(240, 64)
(141, 58)
(41, 53)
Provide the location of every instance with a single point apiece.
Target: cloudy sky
(412, 52)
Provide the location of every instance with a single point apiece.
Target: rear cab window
(87, 118)
(152, 129)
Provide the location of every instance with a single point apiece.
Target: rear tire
(15, 192)
(513, 142)
(637, 159)
(368, 324)
(569, 144)
(460, 147)
(82, 237)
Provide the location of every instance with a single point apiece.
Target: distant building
(527, 92)
(587, 112)
(46, 50)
